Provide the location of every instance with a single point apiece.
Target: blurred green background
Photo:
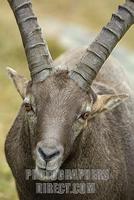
(90, 14)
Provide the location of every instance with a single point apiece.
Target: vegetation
(89, 13)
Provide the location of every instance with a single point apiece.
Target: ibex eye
(85, 115)
(28, 107)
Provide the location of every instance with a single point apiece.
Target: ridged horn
(100, 49)
(37, 53)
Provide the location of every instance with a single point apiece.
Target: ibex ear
(107, 102)
(19, 81)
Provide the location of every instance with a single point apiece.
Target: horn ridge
(100, 49)
(36, 50)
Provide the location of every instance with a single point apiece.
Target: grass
(89, 13)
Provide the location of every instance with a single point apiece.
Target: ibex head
(59, 104)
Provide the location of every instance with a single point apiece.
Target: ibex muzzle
(48, 159)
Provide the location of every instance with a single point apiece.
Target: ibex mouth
(44, 174)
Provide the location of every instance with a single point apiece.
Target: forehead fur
(58, 84)
(58, 100)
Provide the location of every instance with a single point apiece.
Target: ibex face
(56, 111)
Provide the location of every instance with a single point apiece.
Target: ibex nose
(48, 153)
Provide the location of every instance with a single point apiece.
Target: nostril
(42, 154)
(48, 154)
(56, 153)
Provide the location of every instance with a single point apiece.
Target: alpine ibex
(73, 115)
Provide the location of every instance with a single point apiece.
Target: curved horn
(97, 53)
(37, 53)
